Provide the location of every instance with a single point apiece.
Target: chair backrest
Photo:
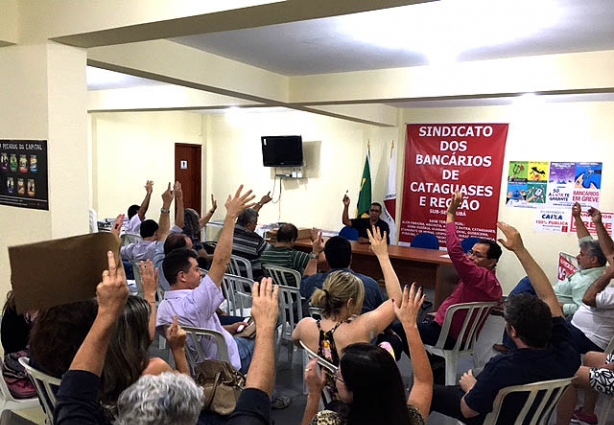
(201, 344)
(45, 385)
(283, 276)
(468, 243)
(291, 308)
(349, 233)
(475, 315)
(541, 399)
(325, 364)
(240, 266)
(128, 239)
(238, 292)
(137, 278)
(425, 240)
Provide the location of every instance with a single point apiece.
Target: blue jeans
(246, 351)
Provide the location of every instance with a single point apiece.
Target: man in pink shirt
(478, 281)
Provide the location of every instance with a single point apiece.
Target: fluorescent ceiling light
(444, 29)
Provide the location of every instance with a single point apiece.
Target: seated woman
(341, 300)
(369, 383)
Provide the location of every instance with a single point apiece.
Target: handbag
(221, 383)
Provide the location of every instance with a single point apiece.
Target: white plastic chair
(308, 354)
(44, 388)
(8, 402)
(283, 275)
(476, 315)
(540, 407)
(195, 351)
(238, 292)
(128, 239)
(240, 266)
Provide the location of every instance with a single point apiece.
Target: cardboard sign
(50, 273)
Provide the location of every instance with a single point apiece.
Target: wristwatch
(165, 210)
(313, 256)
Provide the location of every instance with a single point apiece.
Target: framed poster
(23, 174)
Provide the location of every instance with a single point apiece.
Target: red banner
(441, 159)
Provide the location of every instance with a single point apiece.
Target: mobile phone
(248, 320)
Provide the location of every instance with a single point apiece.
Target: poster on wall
(23, 174)
(607, 218)
(539, 184)
(552, 220)
(442, 159)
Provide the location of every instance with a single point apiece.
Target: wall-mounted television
(282, 151)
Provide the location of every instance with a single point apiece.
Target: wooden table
(427, 267)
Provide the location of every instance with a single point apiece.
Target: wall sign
(23, 174)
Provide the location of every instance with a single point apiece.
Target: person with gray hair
(167, 398)
(571, 290)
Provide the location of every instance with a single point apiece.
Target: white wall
(335, 151)
(131, 148)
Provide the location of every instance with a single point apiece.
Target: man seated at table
(195, 303)
(283, 254)
(570, 291)
(362, 224)
(544, 351)
(136, 213)
(478, 281)
(338, 252)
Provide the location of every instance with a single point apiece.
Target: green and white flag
(364, 197)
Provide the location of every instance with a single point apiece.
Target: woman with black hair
(369, 383)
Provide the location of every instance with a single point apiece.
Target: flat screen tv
(282, 151)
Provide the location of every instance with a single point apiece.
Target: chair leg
(451, 366)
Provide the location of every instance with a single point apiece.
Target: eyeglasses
(477, 254)
(375, 210)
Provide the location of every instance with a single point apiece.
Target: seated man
(478, 281)
(247, 243)
(544, 351)
(282, 254)
(145, 249)
(136, 213)
(569, 292)
(195, 302)
(338, 252)
(362, 224)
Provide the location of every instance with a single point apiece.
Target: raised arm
(315, 384)
(179, 207)
(605, 241)
(345, 216)
(581, 230)
(117, 225)
(590, 297)
(317, 244)
(165, 218)
(205, 218)
(234, 206)
(176, 338)
(541, 284)
(455, 202)
(111, 294)
(149, 281)
(406, 310)
(145, 204)
(265, 312)
(264, 200)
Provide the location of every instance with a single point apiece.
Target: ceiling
(476, 30)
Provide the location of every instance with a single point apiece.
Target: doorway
(188, 172)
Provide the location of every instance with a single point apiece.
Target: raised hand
(595, 215)
(237, 204)
(168, 195)
(379, 244)
(456, 201)
(117, 225)
(213, 203)
(407, 308)
(265, 304)
(175, 335)
(513, 240)
(177, 190)
(317, 242)
(315, 381)
(112, 292)
(149, 279)
(149, 186)
(576, 210)
(346, 200)
(266, 198)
